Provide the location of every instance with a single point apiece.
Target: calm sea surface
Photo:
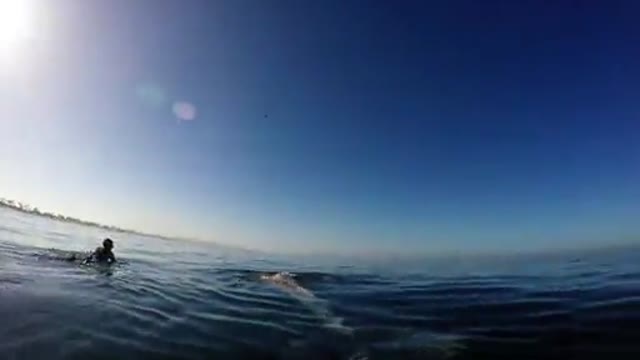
(181, 300)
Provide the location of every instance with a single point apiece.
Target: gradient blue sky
(332, 125)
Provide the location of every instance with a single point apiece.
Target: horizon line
(34, 210)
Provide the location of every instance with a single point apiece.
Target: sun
(16, 24)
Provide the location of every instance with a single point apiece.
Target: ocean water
(181, 300)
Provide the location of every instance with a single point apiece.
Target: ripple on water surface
(207, 305)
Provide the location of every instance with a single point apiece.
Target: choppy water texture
(181, 300)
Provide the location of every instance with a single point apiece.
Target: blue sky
(360, 126)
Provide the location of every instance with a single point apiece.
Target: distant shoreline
(630, 243)
(28, 209)
(32, 210)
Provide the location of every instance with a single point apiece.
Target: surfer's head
(107, 244)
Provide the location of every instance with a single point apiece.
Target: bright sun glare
(16, 17)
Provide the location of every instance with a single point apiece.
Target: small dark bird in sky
(266, 116)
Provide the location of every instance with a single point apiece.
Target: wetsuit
(102, 255)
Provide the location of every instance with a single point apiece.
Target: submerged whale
(427, 344)
(286, 282)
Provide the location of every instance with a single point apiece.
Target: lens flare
(151, 95)
(184, 111)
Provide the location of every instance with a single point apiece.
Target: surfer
(102, 254)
